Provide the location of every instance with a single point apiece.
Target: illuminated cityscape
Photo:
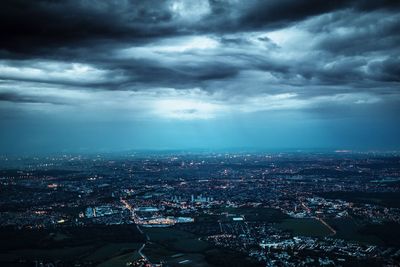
(199, 133)
(337, 208)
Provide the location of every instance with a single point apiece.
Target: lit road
(135, 219)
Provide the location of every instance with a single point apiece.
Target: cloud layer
(198, 59)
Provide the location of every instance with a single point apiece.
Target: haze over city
(90, 76)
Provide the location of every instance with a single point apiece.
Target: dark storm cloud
(145, 73)
(227, 49)
(45, 24)
(18, 98)
(261, 13)
(34, 26)
(387, 70)
(367, 32)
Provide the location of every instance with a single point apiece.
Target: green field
(195, 260)
(225, 258)
(255, 214)
(387, 234)
(109, 252)
(121, 260)
(262, 214)
(105, 252)
(305, 227)
(167, 233)
(387, 199)
(169, 242)
(348, 229)
(156, 253)
(68, 245)
(176, 239)
(66, 254)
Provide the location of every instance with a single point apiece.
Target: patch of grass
(175, 239)
(388, 199)
(120, 261)
(58, 236)
(64, 254)
(224, 257)
(156, 252)
(349, 229)
(263, 214)
(388, 232)
(257, 214)
(206, 218)
(111, 250)
(305, 227)
(192, 260)
(169, 233)
(166, 242)
(95, 235)
(189, 245)
(69, 245)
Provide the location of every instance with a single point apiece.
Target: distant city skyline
(92, 76)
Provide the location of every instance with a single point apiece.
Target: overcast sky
(179, 74)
